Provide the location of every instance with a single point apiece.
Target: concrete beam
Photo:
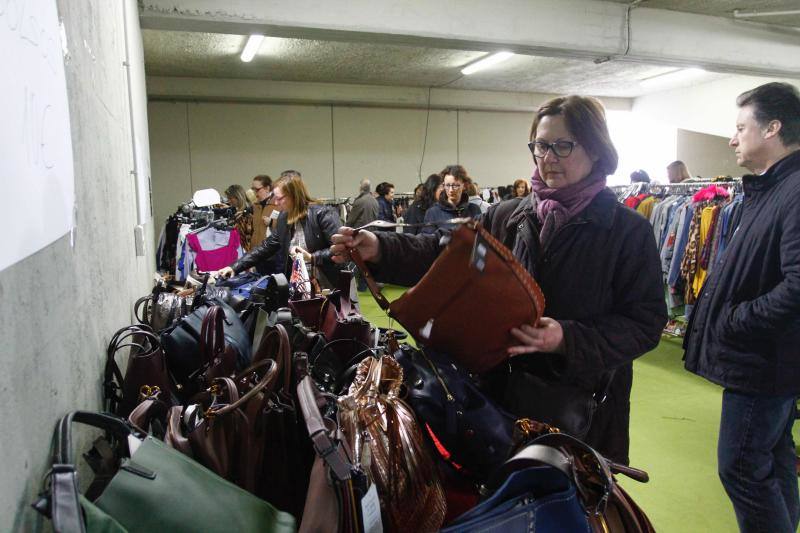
(568, 28)
(287, 92)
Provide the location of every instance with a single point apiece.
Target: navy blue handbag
(537, 498)
(474, 431)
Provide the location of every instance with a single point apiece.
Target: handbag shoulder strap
(329, 450)
(60, 501)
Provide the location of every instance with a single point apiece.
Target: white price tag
(274, 214)
(371, 511)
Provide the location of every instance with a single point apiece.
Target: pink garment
(709, 193)
(216, 258)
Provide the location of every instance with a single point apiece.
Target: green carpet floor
(674, 428)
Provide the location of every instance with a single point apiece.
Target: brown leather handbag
(147, 367)
(475, 272)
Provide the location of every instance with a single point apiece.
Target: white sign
(36, 172)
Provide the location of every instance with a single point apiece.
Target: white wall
(705, 107)
(59, 307)
(213, 144)
(707, 155)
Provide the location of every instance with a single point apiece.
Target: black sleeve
(638, 315)
(265, 250)
(405, 258)
(329, 223)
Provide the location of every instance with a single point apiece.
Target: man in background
(365, 207)
(365, 210)
(744, 332)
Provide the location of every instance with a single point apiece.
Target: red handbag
(475, 271)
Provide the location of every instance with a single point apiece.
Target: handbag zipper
(450, 397)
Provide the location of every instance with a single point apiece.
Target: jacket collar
(600, 211)
(774, 174)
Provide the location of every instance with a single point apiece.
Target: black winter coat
(744, 332)
(601, 278)
(319, 225)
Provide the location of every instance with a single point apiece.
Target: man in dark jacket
(744, 332)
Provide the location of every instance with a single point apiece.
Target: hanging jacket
(745, 328)
(319, 225)
(601, 278)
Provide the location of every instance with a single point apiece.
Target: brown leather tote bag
(475, 272)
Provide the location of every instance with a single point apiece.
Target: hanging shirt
(213, 248)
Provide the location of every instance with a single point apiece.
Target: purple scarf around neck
(556, 207)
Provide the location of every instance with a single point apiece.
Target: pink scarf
(556, 207)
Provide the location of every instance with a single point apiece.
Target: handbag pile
(286, 415)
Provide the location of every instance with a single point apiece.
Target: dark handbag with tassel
(471, 431)
(474, 267)
(147, 367)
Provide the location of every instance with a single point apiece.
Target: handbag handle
(112, 371)
(283, 355)
(212, 335)
(61, 499)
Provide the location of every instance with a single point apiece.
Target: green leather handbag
(155, 489)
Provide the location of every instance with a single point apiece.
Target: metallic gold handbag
(385, 438)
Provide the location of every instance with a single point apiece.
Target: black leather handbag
(182, 344)
(475, 433)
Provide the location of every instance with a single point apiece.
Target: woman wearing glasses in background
(595, 260)
(453, 202)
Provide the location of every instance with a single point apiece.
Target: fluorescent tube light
(741, 14)
(250, 49)
(673, 77)
(486, 62)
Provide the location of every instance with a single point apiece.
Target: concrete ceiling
(197, 54)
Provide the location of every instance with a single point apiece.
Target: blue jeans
(756, 458)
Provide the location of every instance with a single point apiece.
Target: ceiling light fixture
(672, 77)
(739, 14)
(252, 46)
(486, 62)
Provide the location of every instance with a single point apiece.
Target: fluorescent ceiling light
(741, 14)
(486, 62)
(250, 49)
(673, 77)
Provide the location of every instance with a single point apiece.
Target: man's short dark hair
(291, 174)
(383, 188)
(264, 180)
(775, 101)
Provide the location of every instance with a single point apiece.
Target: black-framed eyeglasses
(258, 189)
(453, 185)
(559, 148)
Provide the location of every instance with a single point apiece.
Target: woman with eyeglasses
(303, 227)
(595, 260)
(453, 201)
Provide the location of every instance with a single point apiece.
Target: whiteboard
(36, 172)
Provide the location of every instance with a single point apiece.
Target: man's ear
(772, 129)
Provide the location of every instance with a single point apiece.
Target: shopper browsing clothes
(595, 259)
(744, 332)
(302, 227)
